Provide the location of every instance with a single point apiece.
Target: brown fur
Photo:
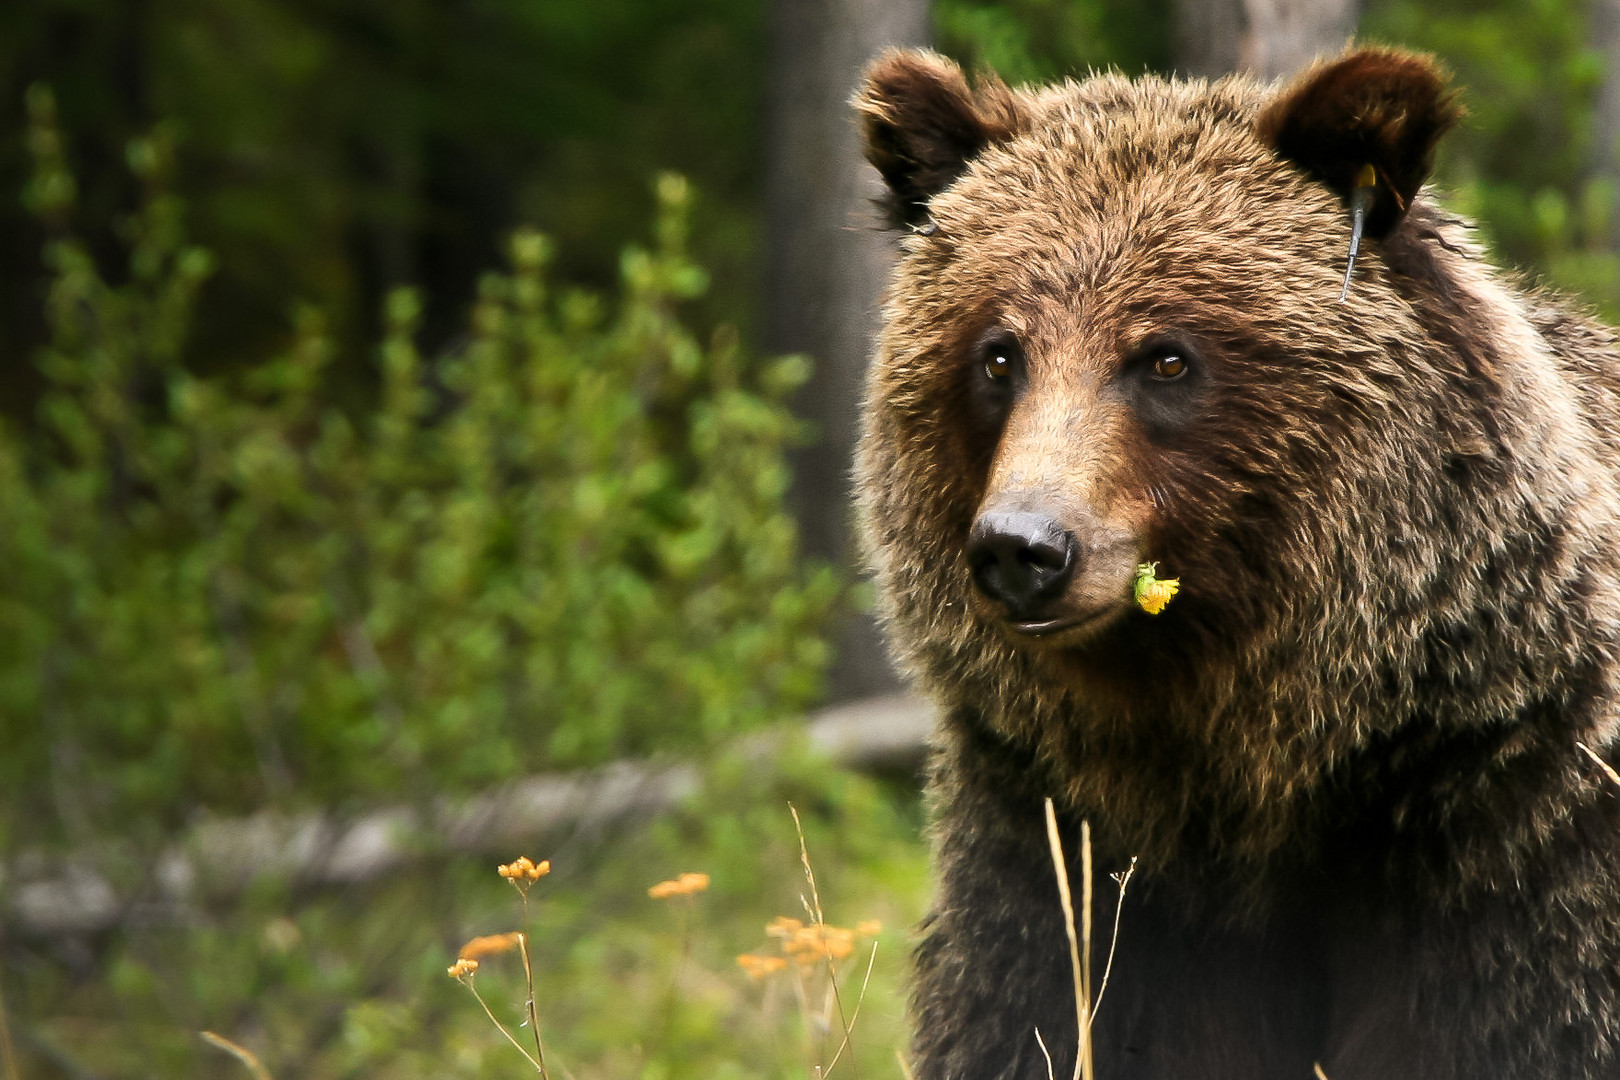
(1346, 752)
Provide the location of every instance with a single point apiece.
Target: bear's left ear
(922, 124)
(1377, 108)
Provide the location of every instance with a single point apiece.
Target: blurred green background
(389, 413)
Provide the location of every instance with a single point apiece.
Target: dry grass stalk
(813, 908)
(1604, 765)
(1124, 881)
(522, 873)
(1083, 1069)
(806, 947)
(8, 1054)
(241, 1053)
(1045, 1053)
(533, 1015)
(856, 1015)
(682, 889)
(1317, 1069)
(1085, 944)
(538, 1065)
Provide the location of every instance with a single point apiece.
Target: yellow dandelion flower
(1152, 593)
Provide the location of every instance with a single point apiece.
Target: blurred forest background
(423, 432)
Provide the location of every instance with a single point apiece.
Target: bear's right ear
(1369, 119)
(922, 124)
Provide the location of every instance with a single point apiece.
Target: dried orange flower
(835, 942)
(463, 968)
(489, 945)
(522, 869)
(758, 967)
(868, 928)
(685, 885)
(783, 927)
(811, 944)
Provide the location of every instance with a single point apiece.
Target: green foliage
(1036, 41)
(353, 983)
(336, 148)
(564, 543)
(1524, 163)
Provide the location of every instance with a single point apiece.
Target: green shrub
(563, 543)
(1038, 41)
(352, 982)
(1525, 162)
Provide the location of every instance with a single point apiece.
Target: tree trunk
(1604, 35)
(1268, 38)
(826, 265)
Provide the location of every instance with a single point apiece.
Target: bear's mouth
(1044, 627)
(1072, 626)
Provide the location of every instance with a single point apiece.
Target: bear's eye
(1169, 367)
(1167, 378)
(1000, 358)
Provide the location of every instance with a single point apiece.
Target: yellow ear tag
(1151, 592)
(1361, 199)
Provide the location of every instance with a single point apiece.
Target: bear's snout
(1021, 560)
(1048, 571)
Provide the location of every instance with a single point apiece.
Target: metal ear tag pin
(1361, 200)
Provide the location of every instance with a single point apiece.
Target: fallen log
(44, 896)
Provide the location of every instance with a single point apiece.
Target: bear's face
(1107, 376)
(1116, 338)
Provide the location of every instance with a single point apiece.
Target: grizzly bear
(1357, 756)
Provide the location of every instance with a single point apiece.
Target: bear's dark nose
(1020, 559)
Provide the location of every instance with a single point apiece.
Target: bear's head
(1116, 337)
